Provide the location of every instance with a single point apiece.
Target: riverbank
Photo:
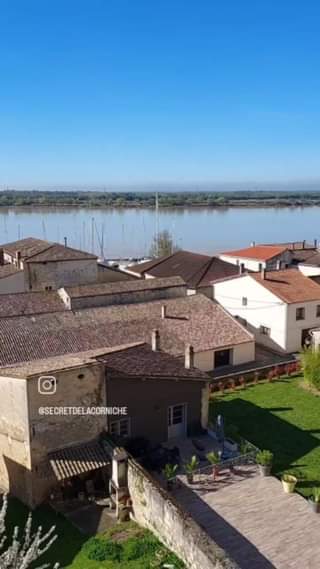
(166, 200)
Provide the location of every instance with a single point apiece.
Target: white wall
(309, 271)
(250, 264)
(255, 264)
(263, 308)
(243, 353)
(295, 327)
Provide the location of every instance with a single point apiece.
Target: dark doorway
(306, 338)
(222, 358)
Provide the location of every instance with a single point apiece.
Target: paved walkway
(251, 517)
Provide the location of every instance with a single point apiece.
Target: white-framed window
(244, 301)
(120, 427)
(265, 331)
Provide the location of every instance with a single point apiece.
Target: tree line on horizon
(147, 199)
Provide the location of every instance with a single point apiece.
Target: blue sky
(132, 91)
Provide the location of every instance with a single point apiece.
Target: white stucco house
(259, 257)
(281, 308)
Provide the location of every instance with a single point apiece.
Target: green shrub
(134, 548)
(311, 367)
(98, 549)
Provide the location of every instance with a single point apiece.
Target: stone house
(41, 265)
(44, 452)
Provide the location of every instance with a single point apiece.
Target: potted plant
(169, 472)
(288, 482)
(191, 467)
(264, 459)
(314, 500)
(214, 459)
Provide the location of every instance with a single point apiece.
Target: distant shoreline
(147, 200)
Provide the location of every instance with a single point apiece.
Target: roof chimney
(315, 242)
(252, 244)
(18, 258)
(65, 241)
(189, 357)
(304, 244)
(263, 273)
(1, 257)
(155, 340)
(241, 268)
(163, 311)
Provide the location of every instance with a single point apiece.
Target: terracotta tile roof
(53, 364)
(194, 320)
(257, 252)
(197, 270)
(290, 285)
(57, 252)
(141, 361)
(122, 286)
(7, 270)
(27, 247)
(313, 259)
(38, 250)
(21, 303)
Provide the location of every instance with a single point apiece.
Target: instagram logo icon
(47, 385)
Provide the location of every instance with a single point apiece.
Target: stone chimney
(155, 340)
(263, 273)
(1, 257)
(18, 258)
(189, 357)
(163, 311)
(241, 268)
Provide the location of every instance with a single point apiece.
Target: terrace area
(252, 519)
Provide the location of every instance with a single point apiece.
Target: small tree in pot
(264, 459)
(191, 467)
(314, 500)
(214, 459)
(169, 472)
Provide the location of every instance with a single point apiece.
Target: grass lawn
(138, 548)
(282, 417)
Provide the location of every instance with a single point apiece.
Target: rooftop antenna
(157, 223)
(92, 235)
(44, 231)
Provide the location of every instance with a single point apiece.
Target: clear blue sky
(129, 91)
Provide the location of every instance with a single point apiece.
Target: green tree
(162, 244)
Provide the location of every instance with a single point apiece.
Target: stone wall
(129, 297)
(154, 509)
(56, 274)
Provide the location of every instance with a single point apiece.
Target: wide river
(129, 232)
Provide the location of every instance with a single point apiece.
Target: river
(129, 232)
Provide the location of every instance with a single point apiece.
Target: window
(300, 313)
(120, 428)
(48, 287)
(265, 330)
(244, 301)
(318, 310)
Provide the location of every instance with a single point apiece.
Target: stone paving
(252, 519)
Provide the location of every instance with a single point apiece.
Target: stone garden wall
(156, 510)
